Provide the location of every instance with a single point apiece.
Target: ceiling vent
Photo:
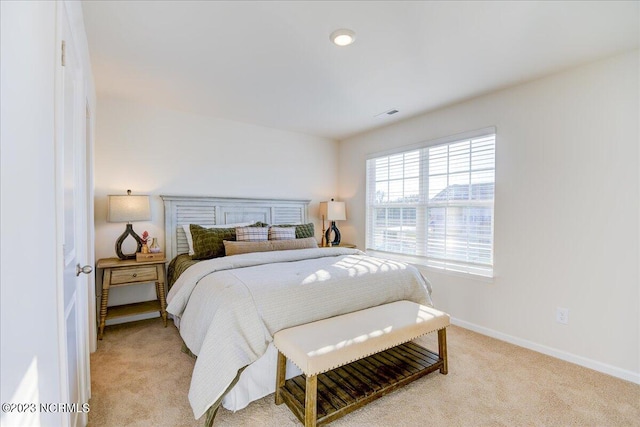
(387, 113)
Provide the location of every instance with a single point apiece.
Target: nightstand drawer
(134, 274)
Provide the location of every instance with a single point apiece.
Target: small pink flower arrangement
(145, 237)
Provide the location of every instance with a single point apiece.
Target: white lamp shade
(129, 208)
(333, 211)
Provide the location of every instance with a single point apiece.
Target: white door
(71, 147)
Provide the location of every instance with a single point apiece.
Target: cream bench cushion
(327, 344)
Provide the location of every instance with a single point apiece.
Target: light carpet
(139, 377)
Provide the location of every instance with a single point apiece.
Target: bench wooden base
(331, 395)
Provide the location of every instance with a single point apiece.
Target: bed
(228, 308)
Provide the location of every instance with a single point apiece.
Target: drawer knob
(135, 274)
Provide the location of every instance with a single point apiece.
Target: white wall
(566, 212)
(156, 151)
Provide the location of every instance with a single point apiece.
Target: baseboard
(624, 374)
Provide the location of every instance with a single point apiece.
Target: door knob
(86, 269)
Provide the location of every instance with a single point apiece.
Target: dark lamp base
(128, 232)
(336, 234)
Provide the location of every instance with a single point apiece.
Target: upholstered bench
(352, 359)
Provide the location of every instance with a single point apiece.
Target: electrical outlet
(562, 315)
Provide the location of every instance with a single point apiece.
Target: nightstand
(117, 272)
(343, 245)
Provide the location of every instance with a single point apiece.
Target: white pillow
(187, 231)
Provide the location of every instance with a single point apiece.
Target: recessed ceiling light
(342, 37)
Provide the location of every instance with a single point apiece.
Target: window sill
(460, 270)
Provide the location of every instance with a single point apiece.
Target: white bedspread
(230, 307)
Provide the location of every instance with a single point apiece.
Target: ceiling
(271, 63)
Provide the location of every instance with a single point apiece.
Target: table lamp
(333, 211)
(128, 209)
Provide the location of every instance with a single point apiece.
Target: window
(435, 202)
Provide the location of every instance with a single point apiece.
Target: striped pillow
(251, 234)
(282, 233)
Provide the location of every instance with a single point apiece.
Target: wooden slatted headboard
(208, 211)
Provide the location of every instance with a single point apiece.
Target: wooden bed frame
(210, 210)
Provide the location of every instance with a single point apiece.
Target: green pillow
(207, 242)
(302, 230)
(259, 224)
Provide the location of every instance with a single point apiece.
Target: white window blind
(435, 202)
